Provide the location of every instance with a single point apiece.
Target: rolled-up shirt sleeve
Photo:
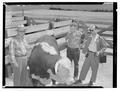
(67, 37)
(12, 51)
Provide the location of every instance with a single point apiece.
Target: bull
(47, 66)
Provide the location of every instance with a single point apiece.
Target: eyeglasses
(91, 30)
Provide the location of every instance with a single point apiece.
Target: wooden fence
(59, 30)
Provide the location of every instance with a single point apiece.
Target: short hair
(74, 23)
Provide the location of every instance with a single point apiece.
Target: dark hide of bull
(39, 61)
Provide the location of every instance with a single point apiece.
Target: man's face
(21, 33)
(73, 27)
(93, 32)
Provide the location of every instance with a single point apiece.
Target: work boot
(78, 81)
(90, 83)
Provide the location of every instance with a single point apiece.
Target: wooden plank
(107, 35)
(8, 15)
(98, 30)
(61, 30)
(108, 38)
(41, 21)
(61, 41)
(62, 23)
(34, 36)
(11, 32)
(109, 50)
(13, 19)
(8, 22)
(99, 25)
(15, 24)
(17, 18)
(39, 27)
(108, 32)
(108, 22)
(34, 28)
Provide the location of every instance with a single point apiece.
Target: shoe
(90, 83)
(75, 78)
(78, 81)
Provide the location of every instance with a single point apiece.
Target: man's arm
(82, 41)
(103, 45)
(86, 45)
(29, 46)
(12, 53)
(67, 36)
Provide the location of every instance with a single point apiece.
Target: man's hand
(97, 54)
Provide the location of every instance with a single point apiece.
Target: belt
(72, 48)
(20, 55)
(91, 51)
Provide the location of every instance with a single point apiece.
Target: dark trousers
(8, 70)
(92, 61)
(73, 54)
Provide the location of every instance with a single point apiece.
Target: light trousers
(92, 61)
(20, 72)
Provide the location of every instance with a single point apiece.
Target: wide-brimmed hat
(92, 27)
(21, 28)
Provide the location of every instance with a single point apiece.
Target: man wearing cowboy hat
(18, 54)
(94, 46)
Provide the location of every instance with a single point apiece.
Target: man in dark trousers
(73, 39)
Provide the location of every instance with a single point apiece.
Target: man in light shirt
(18, 50)
(94, 46)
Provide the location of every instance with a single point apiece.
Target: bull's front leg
(46, 82)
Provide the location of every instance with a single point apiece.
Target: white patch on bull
(66, 63)
(49, 49)
(45, 81)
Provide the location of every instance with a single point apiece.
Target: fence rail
(59, 30)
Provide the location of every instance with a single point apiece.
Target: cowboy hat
(21, 28)
(92, 27)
